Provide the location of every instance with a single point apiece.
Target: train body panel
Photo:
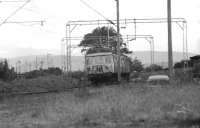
(99, 63)
(195, 61)
(103, 65)
(124, 64)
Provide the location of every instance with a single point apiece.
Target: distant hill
(31, 62)
(160, 58)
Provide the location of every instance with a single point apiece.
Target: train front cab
(99, 66)
(102, 67)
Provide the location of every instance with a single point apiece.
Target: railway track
(73, 88)
(53, 91)
(41, 92)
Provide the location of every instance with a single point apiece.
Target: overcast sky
(30, 39)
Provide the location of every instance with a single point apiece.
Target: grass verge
(123, 106)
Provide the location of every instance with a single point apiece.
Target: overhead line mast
(118, 43)
(170, 54)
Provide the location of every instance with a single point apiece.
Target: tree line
(8, 73)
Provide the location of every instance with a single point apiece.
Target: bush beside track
(41, 84)
(78, 79)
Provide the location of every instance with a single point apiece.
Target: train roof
(98, 50)
(102, 54)
(99, 54)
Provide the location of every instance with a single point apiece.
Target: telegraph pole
(118, 44)
(170, 54)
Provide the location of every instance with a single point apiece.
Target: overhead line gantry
(71, 25)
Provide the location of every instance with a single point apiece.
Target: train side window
(122, 60)
(115, 59)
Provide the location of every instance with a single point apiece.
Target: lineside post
(170, 54)
(118, 44)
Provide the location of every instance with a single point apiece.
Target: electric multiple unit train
(102, 66)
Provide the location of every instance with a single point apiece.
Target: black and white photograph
(99, 64)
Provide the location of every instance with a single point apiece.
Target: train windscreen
(99, 60)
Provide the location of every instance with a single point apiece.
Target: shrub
(136, 65)
(6, 73)
(43, 72)
(5, 88)
(183, 63)
(53, 71)
(153, 67)
(34, 74)
(183, 76)
(81, 75)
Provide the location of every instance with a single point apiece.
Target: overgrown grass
(43, 83)
(123, 106)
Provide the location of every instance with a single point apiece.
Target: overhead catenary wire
(15, 12)
(110, 37)
(23, 23)
(125, 21)
(11, 1)
(42, 21)
(28, 9)
(100, 14)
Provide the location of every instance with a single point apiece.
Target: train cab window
(89, 61)
(108, 59)
(99, 60)
(122, 60)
